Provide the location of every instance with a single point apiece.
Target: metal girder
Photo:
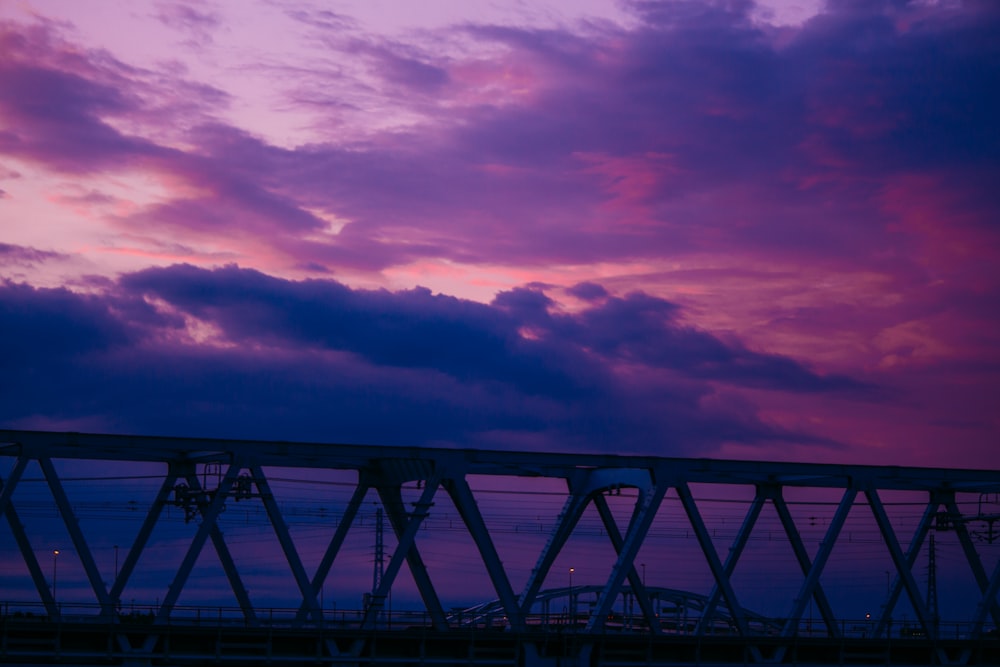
(75, 534)
(336, 541)
(142, 537)
(919, 535)
(810, 585)
(802, 556)
(7, 489)
(468, 509)
(30, 560)
(903, 563)
(208, 518)
(735, 551)
(584, 485)
(285, 540)
(227, 562)
(635, 581)
(570, 515)
(588, 478)
(648, 503)
(989, 599)
(405, 525)
(975, 562)
(36, 444)
(714, 564)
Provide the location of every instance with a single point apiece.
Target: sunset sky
(723, 229)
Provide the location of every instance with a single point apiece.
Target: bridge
(490, 557)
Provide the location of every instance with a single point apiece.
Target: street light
(572, 599)
(55, 562)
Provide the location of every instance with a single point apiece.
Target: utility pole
(379, 551)
(932, 598)
(55, 572)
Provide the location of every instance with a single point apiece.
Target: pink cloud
(824, 194)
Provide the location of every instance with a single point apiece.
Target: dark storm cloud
(468, 340)
(900, 88)
(412, 329)
(318, 360)
(43, 326)
(587, 291)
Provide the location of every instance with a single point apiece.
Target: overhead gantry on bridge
(199, 478)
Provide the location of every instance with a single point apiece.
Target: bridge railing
(132, 613)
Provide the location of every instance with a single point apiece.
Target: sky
(714, 229)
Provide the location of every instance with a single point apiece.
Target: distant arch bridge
(677, 612)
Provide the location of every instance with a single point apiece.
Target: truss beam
(530, 464)
(390, 472)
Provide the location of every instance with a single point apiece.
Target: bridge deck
(27, 640)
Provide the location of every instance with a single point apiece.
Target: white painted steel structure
(589, 478)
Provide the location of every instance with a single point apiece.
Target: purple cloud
(691, 131)
(406, 70)
(588, 291)
(817, 203)
(25, 256)
(317, 360)
(186, 18)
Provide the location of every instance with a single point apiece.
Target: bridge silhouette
(104, 557)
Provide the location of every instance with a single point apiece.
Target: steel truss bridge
(613, 619)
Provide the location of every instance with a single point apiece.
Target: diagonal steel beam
(405, 528)
(973, 558)
(810, 585)
(7, 490)
(642, 518)
(572, 510)
(919, 535)
(708, 549)
(232, 574)
(635, 581)
(76, 534)
(336, 542)
(208, 518)
(142, 537)
(802, 556)
(989, 600)
(468, 509)
(735, 551)
(902, 563)
(287, 546)
(34, 569)
(228, 564)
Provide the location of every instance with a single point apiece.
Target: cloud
(26, 256)
(186, 18)
(820, 192)
(180, 348)
(587, 291)
(403, 69)
(80, 111)
(693, 130)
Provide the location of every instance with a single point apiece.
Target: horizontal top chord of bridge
(65, 445)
